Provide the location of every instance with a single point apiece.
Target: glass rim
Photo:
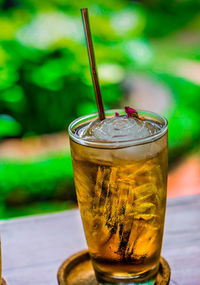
(117, 144)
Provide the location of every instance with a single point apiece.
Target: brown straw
(90, 49)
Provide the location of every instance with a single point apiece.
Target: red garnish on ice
(116, 114)
(131, 112)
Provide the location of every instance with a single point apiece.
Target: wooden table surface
(33, 248)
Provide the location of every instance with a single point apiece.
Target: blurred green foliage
(45, 80)
(48, 179)
(39, 179)
(41, 207)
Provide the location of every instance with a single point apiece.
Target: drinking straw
(91, 56)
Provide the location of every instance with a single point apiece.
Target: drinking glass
(121, 190)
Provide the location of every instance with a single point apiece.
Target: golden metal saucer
(78, 270)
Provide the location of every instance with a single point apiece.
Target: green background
(45, 82)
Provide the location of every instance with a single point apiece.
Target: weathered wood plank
(33, 248)
(181, 245)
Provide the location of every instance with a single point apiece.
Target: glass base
(150, 282)
(147, 278)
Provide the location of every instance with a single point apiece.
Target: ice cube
(109, 155)
(146, 242)
(119, 128)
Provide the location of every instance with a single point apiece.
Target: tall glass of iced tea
(120, 171)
